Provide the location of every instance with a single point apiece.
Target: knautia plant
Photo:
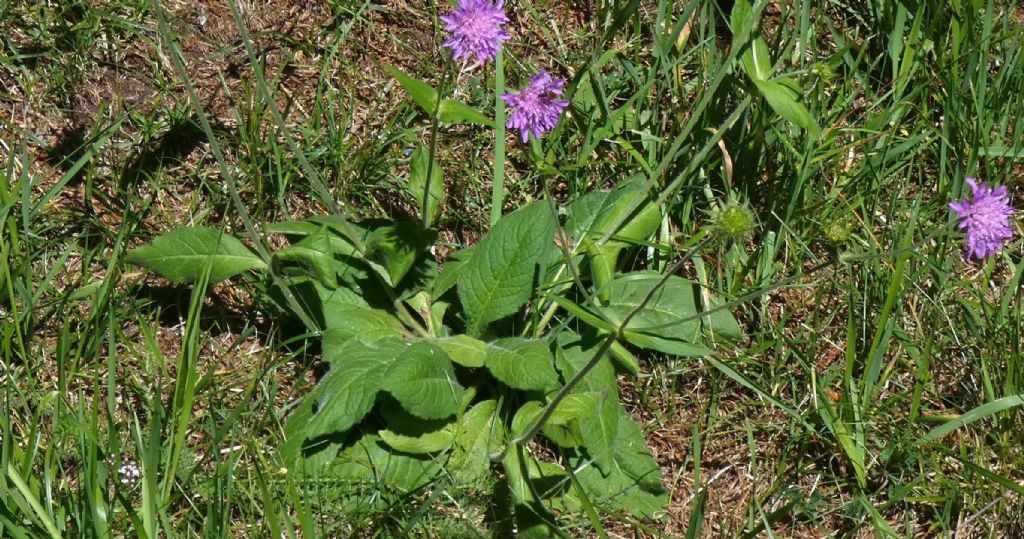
(985, 218)
(456, 375)
(502, 364)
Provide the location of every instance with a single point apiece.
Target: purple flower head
(986, 219)
(476, 30)
(536, 109)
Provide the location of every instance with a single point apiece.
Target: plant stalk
(498, 181)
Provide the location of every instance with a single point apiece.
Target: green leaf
(315, 255)
(742, 21)
(672, 347)
(478, 434)
(423, 381)
(411, 434)
(394, 249)
(599, 429)
(783, 101)
(346, 322)
(348, 390)
(369, 460)
(419, 165)
(457, 112)
(182, 255)
(667, 323)
(593, 215)
(633, 481)
(573, 407)
(464, 350)
(499, 277)
(422, 93)
(522, 364)
(565, 434)
(757, 61)
(722, 323)
(548, 480)
(452, 270)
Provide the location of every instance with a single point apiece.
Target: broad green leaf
(182, 255)
(522, 364)
(452, 270)
(478, 434)
(429, 200)
(314, 299)
(633, 481)
(573, 407)
(670, 346)
(346, 322)
(368, 460)
(786, 104)
(464, 350)
(599, 429)
(757, 62)
(457, 112)
(722, 323)
(315, 255)
(411, 434)
(348, 390)
(423, 381)
(592, 216)
(392, 250)
(548, 480)
(565, 433)
(669, 315)
(422, 93)
(742, 21)
(499, 277)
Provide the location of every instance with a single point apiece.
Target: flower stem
(434, 121)
(498, 183)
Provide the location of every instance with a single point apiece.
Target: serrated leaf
(457, 112)
(422, 93)
(499, 277)
(428, 198)
(464, 350)
(522, 364)
(423, 381)
(565, 434)
(182, 255)
(478, 434)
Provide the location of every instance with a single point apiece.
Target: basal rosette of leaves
(440, 375)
